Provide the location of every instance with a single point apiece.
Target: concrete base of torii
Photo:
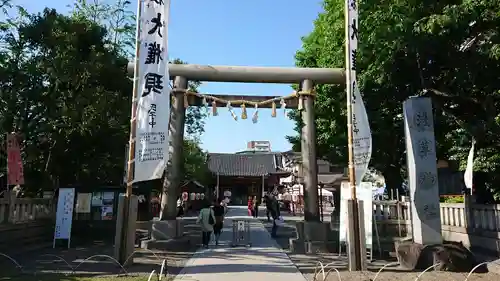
(163, 233)
(313, 237)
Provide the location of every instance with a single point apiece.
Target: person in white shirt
(180, 209)
(223, 203)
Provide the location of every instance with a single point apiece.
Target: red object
(250, 206)
(15, 172)
(155, 209)
(185, 196)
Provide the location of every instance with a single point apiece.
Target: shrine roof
(242, 165)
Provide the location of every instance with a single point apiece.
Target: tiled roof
(249, 165)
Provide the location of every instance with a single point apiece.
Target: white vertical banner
(64, 215)
(362, 136)
(153, 108)
(469, 170)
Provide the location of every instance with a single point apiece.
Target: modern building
(264, 146)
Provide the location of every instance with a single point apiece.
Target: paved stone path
(264, 259)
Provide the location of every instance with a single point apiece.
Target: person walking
(224, 204)
(275, 213)
(180, 208)
(219, 212)
(206, 219)
(250, 206)
(255, 206)
(268, 199)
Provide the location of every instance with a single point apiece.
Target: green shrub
(451, 199)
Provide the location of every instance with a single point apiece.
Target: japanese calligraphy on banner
(362, 136)
(15, 172)
(153, 108)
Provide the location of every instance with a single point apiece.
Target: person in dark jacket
(275, 213)
(219, 212)
(268, 206)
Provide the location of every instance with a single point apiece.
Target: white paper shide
(362, 137)
(468, 178)
(153, 109)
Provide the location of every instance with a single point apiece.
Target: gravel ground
(306, 264)
(47, 262)
(390, 276)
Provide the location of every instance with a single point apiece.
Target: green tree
(120, 22)
(65, 89)
(446, 50)
(195, 162)
(68, 95)
(116, 16)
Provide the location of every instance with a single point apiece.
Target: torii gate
(303, 99)
(181, 74)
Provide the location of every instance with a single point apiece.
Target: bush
(451, 199)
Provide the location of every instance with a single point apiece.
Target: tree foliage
(195, 162)
(447, 50)
(67, 94)
(64, 88)
(116, 16)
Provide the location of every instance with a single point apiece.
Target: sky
(234, 32)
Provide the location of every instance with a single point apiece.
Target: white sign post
(153, 108)
(364, 193)
(64, 215)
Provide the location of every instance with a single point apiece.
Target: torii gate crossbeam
(253, 74)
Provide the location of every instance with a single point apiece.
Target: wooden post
(262, 187)
(122, 250)
(308, 150)
(355, 261)
(174, 174)
(10, 197)
(469, 215)
(217, 190)
(321, 200)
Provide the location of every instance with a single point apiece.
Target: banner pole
(350, 146)
(132, 141)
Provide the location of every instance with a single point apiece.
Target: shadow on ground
(307, 263)
(73, 277)
(95, 258)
